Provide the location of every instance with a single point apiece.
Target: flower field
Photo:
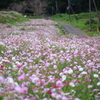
(38, 63)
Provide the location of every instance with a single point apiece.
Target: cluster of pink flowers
(37, 63)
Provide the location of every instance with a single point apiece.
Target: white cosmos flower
(10, 80)
(2, 52)
(72, 84)
(13, 58)
(84, 72)
(5, 60)
(70, 71)
(81, 69)
(96, 75)
(1, 43)
(17, 62)
(0, 62)
(98, 92)
(98, 83)
(14, 66)
(66, 93)
(63, 78)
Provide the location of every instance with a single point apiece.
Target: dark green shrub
(92, 22)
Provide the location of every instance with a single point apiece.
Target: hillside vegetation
(11, 17)
(80, 21)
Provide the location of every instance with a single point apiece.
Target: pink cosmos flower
(21, 78)
(77, 99)
(24, 90)
(59, 84)
(1, 66)
(88, 80)
(18, 89)
(90, 86)
(1, 79)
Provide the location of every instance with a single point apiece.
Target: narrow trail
(73, 30)
(69, 28)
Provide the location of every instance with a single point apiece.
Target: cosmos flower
(63, 78)
(72, 84)
(1, 66)
(96, 75)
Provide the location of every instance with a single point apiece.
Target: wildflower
(90, 86)
(21, 78)
(1, 79)
(10, 80)
(13, 58)
(1, 43)
(53, 94)
(98, 83)
(81, 69)
(77, 99)
(55, 66)
(63, 78)
(53, 85)
(18, 63)
(96, 75)
(88, 80)
(66, 93)
(1, 66)
(72, 84)
(70, 71)
(6, 61)
(96, 90)
(59, 83)
(66, 83)
(0, 62)
(84, 73)
(49, 91)
(58, 96)
(25, 99)
(35, 79)
(24, 90)
(18, 89)
(45, 99)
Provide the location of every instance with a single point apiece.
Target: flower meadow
(38, 63)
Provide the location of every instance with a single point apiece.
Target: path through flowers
(37, 63)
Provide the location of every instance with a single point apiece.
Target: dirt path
(73, 30)
(70, 29)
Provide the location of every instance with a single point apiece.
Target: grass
(81, 21)
(62, 32)
(11, 18)
(35, 17)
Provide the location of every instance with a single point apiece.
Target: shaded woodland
(60, 5)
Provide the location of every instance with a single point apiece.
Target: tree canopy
(78, 5)
(6, 3)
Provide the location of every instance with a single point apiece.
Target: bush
(92, 22)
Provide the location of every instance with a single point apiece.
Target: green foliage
(62, 32)
(11, 18)
(94, 34)
(63, 4)
(35, 17)
(6, 3)
(82, 23)
(22, 29)
(92, 22)
(1, 98)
